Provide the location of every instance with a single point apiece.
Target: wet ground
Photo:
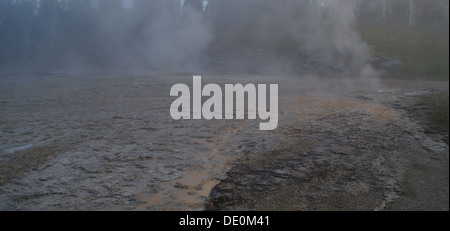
(103, 142)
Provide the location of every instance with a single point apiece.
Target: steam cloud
(303, 37)
(338, 40)
(160, 39)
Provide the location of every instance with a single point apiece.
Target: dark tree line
(166, 33)
(85, 33)
(430, 13)
(434, 13)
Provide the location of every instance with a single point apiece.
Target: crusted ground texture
(104, 142)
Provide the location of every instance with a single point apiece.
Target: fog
(295, 37)
(160, 38)
(300, 105)
(102, 35)
(175, 35)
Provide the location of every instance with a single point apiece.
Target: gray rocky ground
(105, 142)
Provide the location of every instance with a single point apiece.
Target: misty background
(242, 36)
(85, 121)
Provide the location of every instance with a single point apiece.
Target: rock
(375, 61)
(392, 65)
(381, 72)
